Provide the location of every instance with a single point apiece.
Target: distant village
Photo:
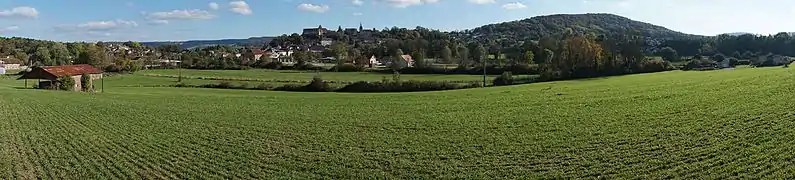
(317, 40)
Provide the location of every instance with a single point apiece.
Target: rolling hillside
(543, 26)
(201, 43)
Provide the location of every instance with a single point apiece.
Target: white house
(10, 66)
(374, 62)
(326, 42)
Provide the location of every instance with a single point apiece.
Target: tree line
(570, 53)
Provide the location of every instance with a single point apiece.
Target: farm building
(403, 61)
(4, 66)
(52, 73)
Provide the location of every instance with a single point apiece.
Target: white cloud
(20, 12)
(158, 22)
(96, 26)
(313, 8)
(181, 15)
(213, 6)
(357, 2)
(9, 29)
(514, 5)
(483, 1)
(357, 14)
(240, 7)
(407, 3)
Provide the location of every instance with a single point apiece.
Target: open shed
(51, 74)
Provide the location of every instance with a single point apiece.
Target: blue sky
(147, 20)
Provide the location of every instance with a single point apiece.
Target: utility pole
(179, 68)
(484, 71)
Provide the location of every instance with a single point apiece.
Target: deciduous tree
(668, 54)
(446, 54)
(528, 57)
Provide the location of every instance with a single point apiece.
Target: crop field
(265, 75)
(686, 125)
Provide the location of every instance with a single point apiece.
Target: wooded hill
(599, 24)
(527, 29)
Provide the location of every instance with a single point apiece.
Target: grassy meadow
(689, 125)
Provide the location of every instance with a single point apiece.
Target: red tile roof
(407, 58)
(258, 52)
(71, 70)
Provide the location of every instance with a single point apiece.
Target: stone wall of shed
(77, 86)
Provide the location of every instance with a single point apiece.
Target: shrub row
(318, 85)
(507, 78)
(490, 70)
(266, 80)
(243, 79)
(347, 68)
(226, 85)
(406, 86)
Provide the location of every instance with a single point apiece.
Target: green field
(684, 125)
(261, 74)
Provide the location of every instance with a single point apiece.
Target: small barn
(51, 74)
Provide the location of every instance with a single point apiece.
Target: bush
(525, 69)
(290, 87)
(273, 65)
(525, 79)
(317, 85)
(85, 80)
(701, 64)
(347, 68)
(771, 60)
(656, 66)
(732, 61)
(66, 83)
(742, 62)
(224, 85)
(307, 67)
(264, 86)
(241, 86)
(505, 79)
(113, 68)
(418, 70)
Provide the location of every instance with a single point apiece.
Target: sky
(175, 20)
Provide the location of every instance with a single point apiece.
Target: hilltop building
(314, 32)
